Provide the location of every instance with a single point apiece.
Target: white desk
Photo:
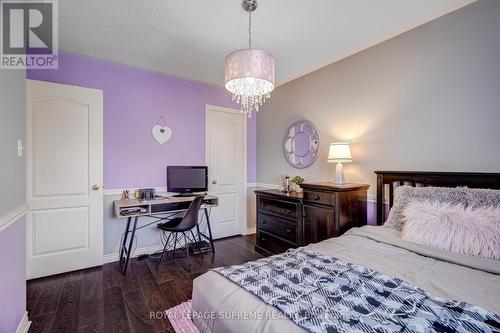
(160, 209)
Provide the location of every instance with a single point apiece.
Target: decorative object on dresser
(301, 144)
(339, 153)
(286, 184)
(296, 181)
(323, 210)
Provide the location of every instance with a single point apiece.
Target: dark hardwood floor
(100, 299)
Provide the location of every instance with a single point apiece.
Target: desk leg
(131, 242)
(122, 245)
(209, 230)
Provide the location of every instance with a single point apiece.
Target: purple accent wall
(13, 275)
(134, 99)
(371, 212)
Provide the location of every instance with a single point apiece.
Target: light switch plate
(20, 148)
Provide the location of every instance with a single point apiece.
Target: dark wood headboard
(423, 178)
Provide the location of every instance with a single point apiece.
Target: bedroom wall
(428, 99)
(12, 128)
(134, 99)
(12, 200)
(13, 276)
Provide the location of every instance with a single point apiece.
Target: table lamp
(339, 153)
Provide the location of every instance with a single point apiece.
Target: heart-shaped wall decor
(161, 133)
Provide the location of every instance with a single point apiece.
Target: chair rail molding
(163, 189)
(119, 191)
(13, 216)
(270, 186)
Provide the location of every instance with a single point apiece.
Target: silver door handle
(214, 181)
(95, 187)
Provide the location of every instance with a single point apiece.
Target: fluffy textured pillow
(452, 227)
(477, 197)
(468, 197)
(405, 194)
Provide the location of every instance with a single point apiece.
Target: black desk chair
(182, 225)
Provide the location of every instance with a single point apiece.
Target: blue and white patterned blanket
(324, 294)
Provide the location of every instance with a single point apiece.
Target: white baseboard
(251, 230)
(115, 256)
(112, 257)
(24, 325)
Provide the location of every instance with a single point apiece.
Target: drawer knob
(264, 222)
(289, 211)
(316, 197)
(289, 230)
(263, 238)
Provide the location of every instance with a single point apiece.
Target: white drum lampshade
(339, 153)
(249, 76)
(249, 73)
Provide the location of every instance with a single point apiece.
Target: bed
(220, 305)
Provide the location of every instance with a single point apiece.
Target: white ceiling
(190, 38)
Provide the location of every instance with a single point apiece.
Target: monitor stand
(184, 194)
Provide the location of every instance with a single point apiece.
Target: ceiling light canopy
(249, 73)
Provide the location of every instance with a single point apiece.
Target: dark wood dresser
(321, 211)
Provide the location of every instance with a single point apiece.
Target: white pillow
(451, 227)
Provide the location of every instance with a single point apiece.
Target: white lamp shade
(249, 72)
(339, 152)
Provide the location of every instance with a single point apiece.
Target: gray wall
(12, 128)
(428, 99)
(12, 197)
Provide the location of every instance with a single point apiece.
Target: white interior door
(64, 178)
(226, 150)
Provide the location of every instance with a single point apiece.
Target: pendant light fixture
(249, 73)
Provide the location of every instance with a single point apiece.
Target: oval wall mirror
(301, 144)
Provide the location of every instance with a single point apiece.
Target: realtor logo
(29, 35)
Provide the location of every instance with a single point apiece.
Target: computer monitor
(187, 179)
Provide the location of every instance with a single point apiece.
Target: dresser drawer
(324, 198)
(273, 244)
(277, 226)
(284, 209)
